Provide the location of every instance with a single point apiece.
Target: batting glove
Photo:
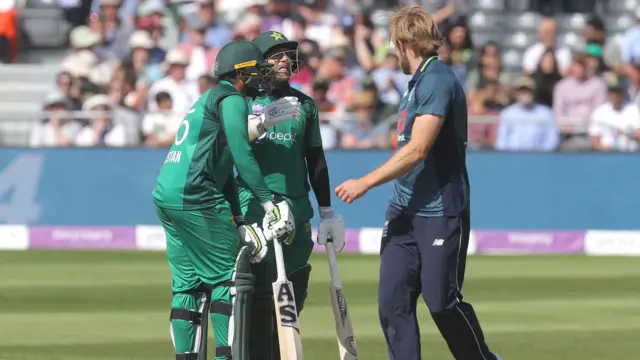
(254, 239)
(331, 229)
(280, 110)
(278, 223)
(256, 127)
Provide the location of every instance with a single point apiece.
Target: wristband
(268, 206)
(325, 212)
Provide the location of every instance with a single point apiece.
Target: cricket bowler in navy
(426, 233)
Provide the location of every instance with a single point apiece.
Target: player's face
(283, 63)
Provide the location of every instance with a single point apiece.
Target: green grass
(115, 305)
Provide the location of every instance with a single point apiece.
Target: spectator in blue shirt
(526, 125)
(217, 34)
(630, 46)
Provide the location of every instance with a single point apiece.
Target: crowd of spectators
(141, 64)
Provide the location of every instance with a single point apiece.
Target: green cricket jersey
(212, 137)
(281, 151)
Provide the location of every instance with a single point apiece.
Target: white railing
(15, 130)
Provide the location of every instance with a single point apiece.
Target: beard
(404, 65)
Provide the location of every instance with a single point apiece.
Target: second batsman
(291, 158)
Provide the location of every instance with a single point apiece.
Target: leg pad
(300, 280)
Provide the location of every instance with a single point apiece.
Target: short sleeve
(434, 94)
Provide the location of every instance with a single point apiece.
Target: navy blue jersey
(439, 186)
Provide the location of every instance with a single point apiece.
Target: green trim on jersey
(199, 162)
(281, 153)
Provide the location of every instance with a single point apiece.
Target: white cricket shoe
(497, 357)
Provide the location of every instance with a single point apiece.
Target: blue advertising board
(509, 190)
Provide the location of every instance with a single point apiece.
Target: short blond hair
(415, 29)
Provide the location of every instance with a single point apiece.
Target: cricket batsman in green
(291, 157)
(209, 246)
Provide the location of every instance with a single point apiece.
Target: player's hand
(256, 127)
(253, 237)
(331, 229)
(280, 110)
(278, 223)
(351, 190)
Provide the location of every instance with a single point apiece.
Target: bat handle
(333, 264)
(281, 271)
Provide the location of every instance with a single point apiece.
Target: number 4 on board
(18, 188)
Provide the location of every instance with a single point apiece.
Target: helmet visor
(286, 63)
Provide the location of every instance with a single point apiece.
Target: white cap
(141, 39)
(110, 3)
(176, 57)
(96, 100)
(87, 57)
(83, 37)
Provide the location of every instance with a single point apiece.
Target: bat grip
(333, 264)
(281, 271)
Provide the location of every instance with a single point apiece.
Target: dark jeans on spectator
(5, 50)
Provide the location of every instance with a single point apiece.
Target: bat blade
(344, 329)
(287, 320)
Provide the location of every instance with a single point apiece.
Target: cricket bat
(344, 329)
(286, 312)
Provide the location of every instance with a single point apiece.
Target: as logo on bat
(286, 304)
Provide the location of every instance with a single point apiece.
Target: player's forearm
(319, 175)
(230, 192)
(399, 164)
(234, 121)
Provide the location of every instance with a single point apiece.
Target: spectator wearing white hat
(141, 46)
(80, 67)
(183, 93)
(101, 131)
(56, 130)
(201, 56)
(82, 38)
(217, 34)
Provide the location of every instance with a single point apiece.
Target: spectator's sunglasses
(292, 55)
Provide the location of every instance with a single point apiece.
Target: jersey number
(181, 138)
(18, 188)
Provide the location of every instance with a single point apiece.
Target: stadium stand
(122, 48)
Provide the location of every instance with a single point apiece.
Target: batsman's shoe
(497, 357)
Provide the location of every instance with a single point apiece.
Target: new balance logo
(438, 242)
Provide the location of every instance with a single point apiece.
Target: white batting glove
(278, 223)
(254, 238)
(280, 110)
(331, 229)
(256, 127)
